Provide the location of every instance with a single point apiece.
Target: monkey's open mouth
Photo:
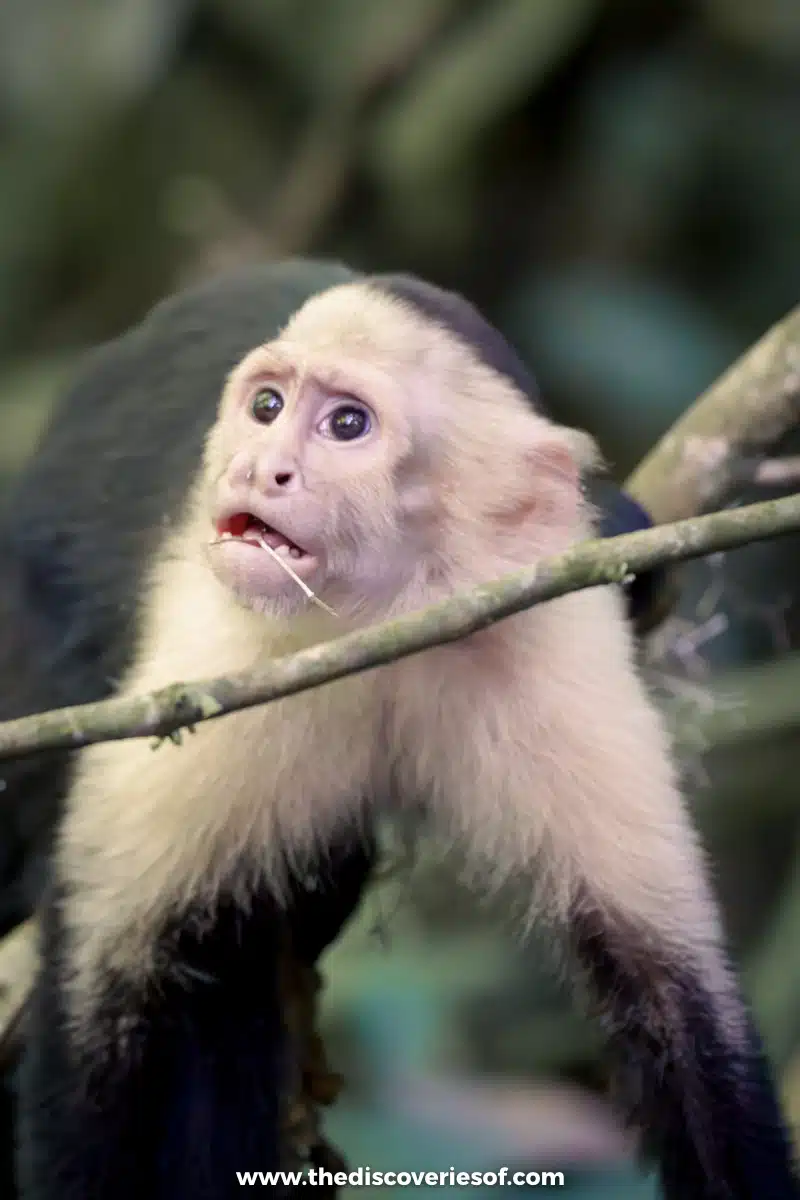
(246, 527)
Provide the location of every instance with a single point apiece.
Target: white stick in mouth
(264, 544)
(282, 562)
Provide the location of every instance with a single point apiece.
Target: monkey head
(385, 464)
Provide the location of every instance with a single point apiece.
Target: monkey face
(366, 459)
(314, 483)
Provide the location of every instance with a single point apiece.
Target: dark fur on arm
(708, 1103)
(180, 1087)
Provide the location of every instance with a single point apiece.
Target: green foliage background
(618, 185)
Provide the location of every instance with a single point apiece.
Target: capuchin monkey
(266, 463)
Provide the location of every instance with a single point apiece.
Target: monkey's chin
(259, 581)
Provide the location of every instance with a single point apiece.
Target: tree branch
(183, 705)
(745, 413)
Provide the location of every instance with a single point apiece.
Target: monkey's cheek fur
(249, 568)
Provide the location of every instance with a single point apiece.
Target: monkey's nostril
(283, 477)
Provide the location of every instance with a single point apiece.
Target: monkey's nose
(278, 476)
(273, 479)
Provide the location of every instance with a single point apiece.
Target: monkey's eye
(346, 423)
(266, 404)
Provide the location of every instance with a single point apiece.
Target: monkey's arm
(161, 1099)
(559, 778)
(643, 925)
(158, 1056)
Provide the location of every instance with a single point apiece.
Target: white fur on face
(358, 507)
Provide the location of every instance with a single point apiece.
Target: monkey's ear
(549, 491)
(583, 448)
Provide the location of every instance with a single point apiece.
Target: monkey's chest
(451, 725)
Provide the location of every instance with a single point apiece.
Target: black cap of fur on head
(461, 318)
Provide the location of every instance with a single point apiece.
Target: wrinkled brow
(345, 374)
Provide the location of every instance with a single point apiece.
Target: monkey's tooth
(283, 550)
(295, 553)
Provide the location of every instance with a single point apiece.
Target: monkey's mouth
(246, 527)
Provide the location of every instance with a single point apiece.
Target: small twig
(773, 472)
(182, 705)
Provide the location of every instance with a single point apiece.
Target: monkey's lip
(253, 530)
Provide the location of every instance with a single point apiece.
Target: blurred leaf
(64, 64)
(771, 27)
(365, 39)
(27, 393)
(792, 1091)
(489, 66)
(386, 1142)
(72, 72)
(331, 48)
(634, 349)
(774, 975)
